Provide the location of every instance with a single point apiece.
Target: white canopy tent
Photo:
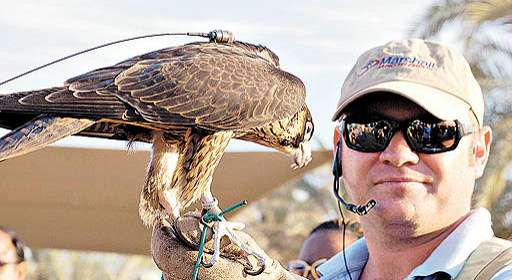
(87, 199)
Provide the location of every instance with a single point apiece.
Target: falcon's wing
(87, 95)
(214, 86)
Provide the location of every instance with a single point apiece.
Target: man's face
(415, 193)
(322, 245)
(11, 269)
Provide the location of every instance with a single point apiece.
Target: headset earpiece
(336, 161)
(337, 171)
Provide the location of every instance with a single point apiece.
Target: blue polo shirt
(447, 259)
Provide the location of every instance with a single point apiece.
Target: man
(411, 138)
(324, 241)
(12, 256)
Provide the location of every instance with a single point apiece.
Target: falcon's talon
(205, 264)
(260, 270)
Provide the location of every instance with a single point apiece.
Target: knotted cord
(207, 218)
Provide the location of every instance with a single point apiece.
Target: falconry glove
(175, 249)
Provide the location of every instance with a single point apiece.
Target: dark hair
(332, 224)
(336, 224)
(17, 242)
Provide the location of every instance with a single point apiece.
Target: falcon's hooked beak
(301, 156)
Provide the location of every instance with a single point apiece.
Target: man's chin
(396, 212)
(397, 224)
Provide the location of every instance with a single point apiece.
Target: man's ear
(481, 150)
(336, 138)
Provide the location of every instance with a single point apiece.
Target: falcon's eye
(285, 142)
(308, 131)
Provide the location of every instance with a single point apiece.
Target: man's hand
(175, 249)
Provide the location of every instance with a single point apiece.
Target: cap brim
(437, 102)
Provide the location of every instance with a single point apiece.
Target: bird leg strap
(207, 221)
(175, 250)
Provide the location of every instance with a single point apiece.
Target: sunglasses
(422, 136)
(303, 269)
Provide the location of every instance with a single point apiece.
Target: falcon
(189, 101)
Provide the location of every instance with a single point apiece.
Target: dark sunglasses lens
(368, 137)
(433, 137)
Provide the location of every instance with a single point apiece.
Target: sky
(318, 41)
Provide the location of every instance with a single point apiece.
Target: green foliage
(483, 29)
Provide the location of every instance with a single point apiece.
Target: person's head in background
(12, 255)
(324, 241)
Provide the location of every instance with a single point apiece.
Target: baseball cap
(435, 77)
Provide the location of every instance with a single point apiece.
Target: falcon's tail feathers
(38, 133)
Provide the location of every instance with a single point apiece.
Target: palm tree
(482, 28)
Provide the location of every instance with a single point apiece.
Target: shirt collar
(449, 256)
(452, 253)
(357, 256)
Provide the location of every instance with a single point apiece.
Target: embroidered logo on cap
(398, 61)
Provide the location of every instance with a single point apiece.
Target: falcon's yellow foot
(221, 227)
(225, 228)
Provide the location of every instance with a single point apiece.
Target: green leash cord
(209, 217)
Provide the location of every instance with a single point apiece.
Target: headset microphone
(360, 210)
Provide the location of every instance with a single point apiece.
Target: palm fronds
(482, 29)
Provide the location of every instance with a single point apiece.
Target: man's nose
(398, 152)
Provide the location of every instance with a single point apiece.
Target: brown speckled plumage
(189, 101)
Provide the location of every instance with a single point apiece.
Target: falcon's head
(290, 135)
